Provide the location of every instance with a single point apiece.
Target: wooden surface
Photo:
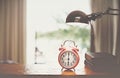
(51, 69)
(18, 69)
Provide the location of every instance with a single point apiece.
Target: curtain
(107, 28)
(117, 37)
(12, 30)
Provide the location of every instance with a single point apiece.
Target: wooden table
(18, 69)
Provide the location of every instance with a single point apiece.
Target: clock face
(68, 59)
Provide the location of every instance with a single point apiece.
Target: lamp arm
(94, 16)
(111, 10)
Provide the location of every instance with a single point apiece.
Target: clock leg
(62, 69)
(73, 69)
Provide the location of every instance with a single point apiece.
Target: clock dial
(68, 59)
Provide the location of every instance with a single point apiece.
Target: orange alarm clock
(68, 57)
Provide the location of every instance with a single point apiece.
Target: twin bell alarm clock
(68, 57)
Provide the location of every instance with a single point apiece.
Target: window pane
(47, 29)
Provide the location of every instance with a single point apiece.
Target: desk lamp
(81, 17)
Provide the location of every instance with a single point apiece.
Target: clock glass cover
(68, 59)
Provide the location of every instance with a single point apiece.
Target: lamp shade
(77, 16)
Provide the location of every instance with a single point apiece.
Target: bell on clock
(68, 57)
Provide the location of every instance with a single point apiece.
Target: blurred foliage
(72, 33)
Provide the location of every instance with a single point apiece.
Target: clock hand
(68, 63)
(68, 58)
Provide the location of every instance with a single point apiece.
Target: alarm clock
(68, 57)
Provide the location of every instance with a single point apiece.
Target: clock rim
(76, 54)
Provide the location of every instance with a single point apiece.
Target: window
(47, 30)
